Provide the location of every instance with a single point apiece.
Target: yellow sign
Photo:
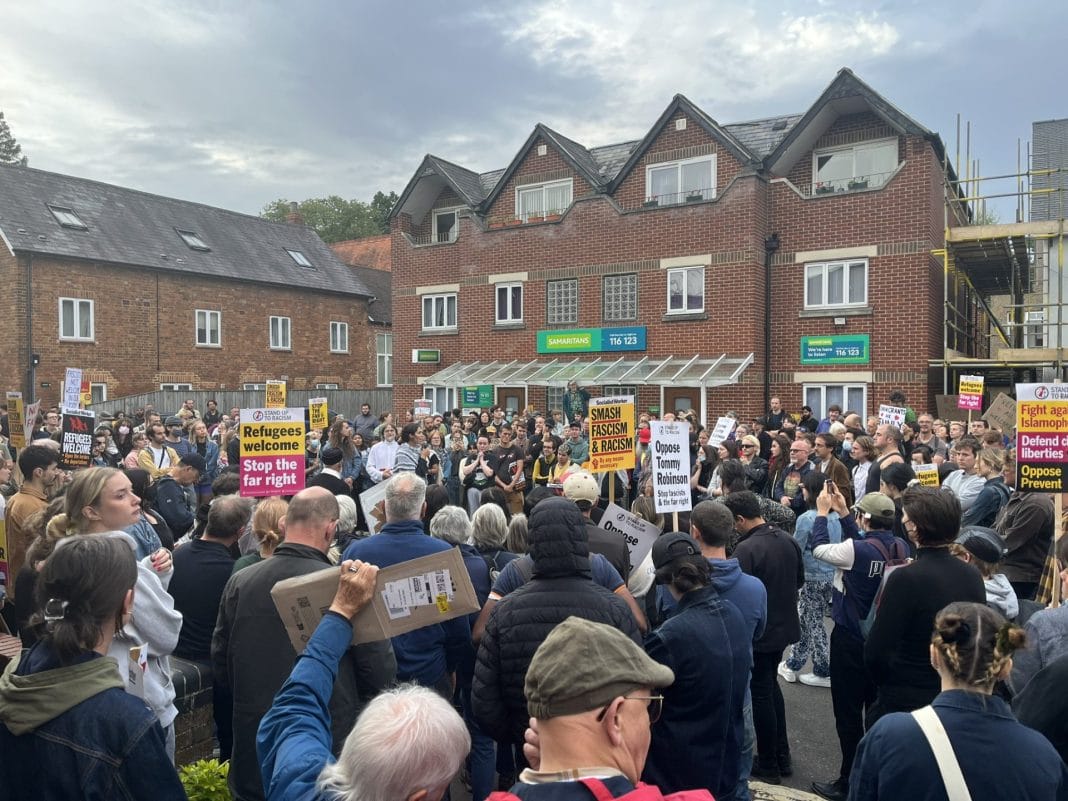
(317, 413)
(16, 416)
(927, 474)
(612, 445)
(276, 394)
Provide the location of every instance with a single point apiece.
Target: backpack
(491, 563)
(643, 792)
(900, 559)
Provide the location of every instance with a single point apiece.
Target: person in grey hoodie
(68, 728)
(984, 548)
(1047, 632)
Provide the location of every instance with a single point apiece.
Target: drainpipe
(31, 370)
(771, 245)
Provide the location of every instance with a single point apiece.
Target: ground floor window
(554, 398)
(850, 397)
(99, 392)
(175, 387)
(443, 398)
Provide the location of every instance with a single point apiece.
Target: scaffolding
(1004, 296)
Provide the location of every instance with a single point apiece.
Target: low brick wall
(194, 728)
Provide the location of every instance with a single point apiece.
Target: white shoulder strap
(948, 766)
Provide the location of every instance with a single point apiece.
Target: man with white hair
(294, 737)
(428, 656)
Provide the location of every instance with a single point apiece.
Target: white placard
(639, 534)
(893, 415)
(72, 388)
(669, 460)
(373, 503)
(723, 428)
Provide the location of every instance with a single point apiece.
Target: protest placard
(723, 428)
(373, 503)
(638, 533)
(970, 393)
(318, 417)
(612, 437)
(30, 420)
(421, 409)
(669, 460)
(7, 581)
(76, 447)
(1002, 413)
(16, 416)
(892, 415)
(72, 388)
(271, 452)
(275, 395)
(1041, 437)
(408, 596)
(927, 474)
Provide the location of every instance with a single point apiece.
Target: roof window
(193, 239)
(299, 258)
(68, 218)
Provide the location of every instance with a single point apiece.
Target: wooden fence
(346, 401)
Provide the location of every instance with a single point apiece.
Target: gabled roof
(681, 103)
(577, 156)
(129, 227)
(466, 184)
(846, 94)
(380, 283)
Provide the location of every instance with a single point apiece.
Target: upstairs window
(681, 181)
(620, 297)
(76, 319)
(384, 360)
(561, 301)
(439, 312)
(193, 240)
(339, 337)
(445, 224)
(538, 200)
(867, 165)
(280, 333)
(836, 283)
(509, 303)
(298, 257)
(686, 290)
(209, 328)
(68, 218)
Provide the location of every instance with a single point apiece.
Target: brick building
(703, 266)
(146, 292)
(369, 258)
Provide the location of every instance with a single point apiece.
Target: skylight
(299, 258)
(193, 239)
(68, 218)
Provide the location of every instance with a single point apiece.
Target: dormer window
(446, 225)
(539, 200)
(193, 240)
(298, 257)
(682, 181)
(865, 165)
(68, 218)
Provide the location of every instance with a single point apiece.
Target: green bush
(205, 780)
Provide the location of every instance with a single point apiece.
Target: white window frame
(824, 267)
(444, 299)
(339, 336)
(511, 314)
(254, 387)
(550, 307)
(1034, 332)
(679, 196)
(209, 316)
(819, 409)
(384, 359)
(284, 340)
(873, 144)
(328, 385)
(76, 320)
(436, 394)
(454, 232)
(619, 391)
(98, 388)
(180, 387)
(685, 283)
(617, 316)
(543, 188)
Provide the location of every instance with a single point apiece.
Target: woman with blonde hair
(267, 529)
(201, 443)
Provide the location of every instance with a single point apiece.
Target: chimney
(294, 217)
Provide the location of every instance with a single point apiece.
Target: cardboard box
(408, 596)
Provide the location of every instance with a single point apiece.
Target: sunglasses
(656, 706)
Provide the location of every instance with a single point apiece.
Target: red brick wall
(533, 164)
(145, 332)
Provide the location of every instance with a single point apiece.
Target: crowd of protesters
(584, 673)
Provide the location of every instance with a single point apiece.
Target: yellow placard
(276, 395)
(16, 417)
(612, 428)
(271, 439)
(971, 387)
(443, 603)
(927, 474)
(317, 413)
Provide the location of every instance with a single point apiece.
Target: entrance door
(681, 399)
(513, 399)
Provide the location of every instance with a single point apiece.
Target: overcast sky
(236, 106)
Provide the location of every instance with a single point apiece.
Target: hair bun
(954, 629)
(1010, 638)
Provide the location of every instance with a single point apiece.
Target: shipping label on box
(408, 596)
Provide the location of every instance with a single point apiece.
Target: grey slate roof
(467, 182)
(763, 136)
(611, 158)
(380, 283)
(129, 227)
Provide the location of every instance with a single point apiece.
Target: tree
(10, 150)
(336, 219)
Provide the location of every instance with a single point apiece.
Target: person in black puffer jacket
(561, 587)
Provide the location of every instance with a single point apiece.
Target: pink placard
(262, 476)
(972, 403)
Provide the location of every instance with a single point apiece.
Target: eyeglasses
(748, 447)
(797, 450)
(656, 706)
